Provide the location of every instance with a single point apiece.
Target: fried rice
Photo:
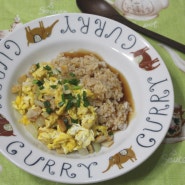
(96, 75)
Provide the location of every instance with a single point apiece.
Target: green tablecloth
(166, 165)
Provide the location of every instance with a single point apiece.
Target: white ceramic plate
(121, 47)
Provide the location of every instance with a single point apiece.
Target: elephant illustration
(121, 157)
(39, 33)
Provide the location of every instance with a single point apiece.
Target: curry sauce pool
(75, 102)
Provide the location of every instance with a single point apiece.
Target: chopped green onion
(47, 105)
(76, 87)
(78, 100)
(65, 81)
(53, 86)
(85, 99)
(39, 83)
(68, 96)
(72, 74)
(48, 68)
(50, 73)
(66, 87)
(63, 98)
(74, 81)
(60, 82)
(69, 105)
(60, 104)
(49, 110)
(74, 120)
(37, 66)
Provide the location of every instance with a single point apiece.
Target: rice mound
(96, 75)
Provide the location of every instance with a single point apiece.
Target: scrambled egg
(83, 136)
(59, 108)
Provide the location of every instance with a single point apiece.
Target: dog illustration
(39, 33)
(145, 60)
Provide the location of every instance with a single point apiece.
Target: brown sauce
(126, 91)
(125, 85)
(80, 53)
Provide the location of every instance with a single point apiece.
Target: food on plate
(74, 102)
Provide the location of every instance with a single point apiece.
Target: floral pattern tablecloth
(166, 165)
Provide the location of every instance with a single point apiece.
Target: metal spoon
(102, 8)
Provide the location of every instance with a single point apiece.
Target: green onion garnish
(85, 99)
(48, 68)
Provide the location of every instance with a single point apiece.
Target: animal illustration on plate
(5, 127)
(39, 33)
(144, 59)
(121, 157)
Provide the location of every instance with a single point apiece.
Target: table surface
(166, 165)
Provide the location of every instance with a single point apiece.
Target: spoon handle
(165, 40)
